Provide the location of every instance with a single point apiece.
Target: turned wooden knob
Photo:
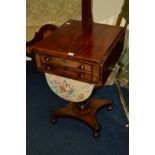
(82, 67)
(82, 76)
(48, 68)
(47, 58)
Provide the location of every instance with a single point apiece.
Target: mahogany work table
(83, 51)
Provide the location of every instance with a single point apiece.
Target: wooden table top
(82, 40)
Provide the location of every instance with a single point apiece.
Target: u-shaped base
(86, 115)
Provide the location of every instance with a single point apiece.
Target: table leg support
(87, 115)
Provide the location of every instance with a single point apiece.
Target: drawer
(67, 63)
(65, 72)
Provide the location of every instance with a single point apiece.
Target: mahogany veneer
(86, 48)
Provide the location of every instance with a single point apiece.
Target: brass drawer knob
(47, 58)
(82, 76)
(82, 67)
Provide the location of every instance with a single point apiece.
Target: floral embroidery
(69, 89)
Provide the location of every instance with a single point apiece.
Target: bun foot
(53, 120)
(97, 131)
(110, 107)
(96, 134)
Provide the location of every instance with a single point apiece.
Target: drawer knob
(82, 67)
(47, 58)
(48, 68)
(82, 76)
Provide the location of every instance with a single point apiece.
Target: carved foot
(53, 120)
(97, 131)
(110, 107)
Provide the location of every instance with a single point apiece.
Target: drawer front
(67, 63)
(65, 72)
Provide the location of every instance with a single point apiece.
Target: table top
(82, 40)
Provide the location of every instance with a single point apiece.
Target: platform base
(86, 115)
